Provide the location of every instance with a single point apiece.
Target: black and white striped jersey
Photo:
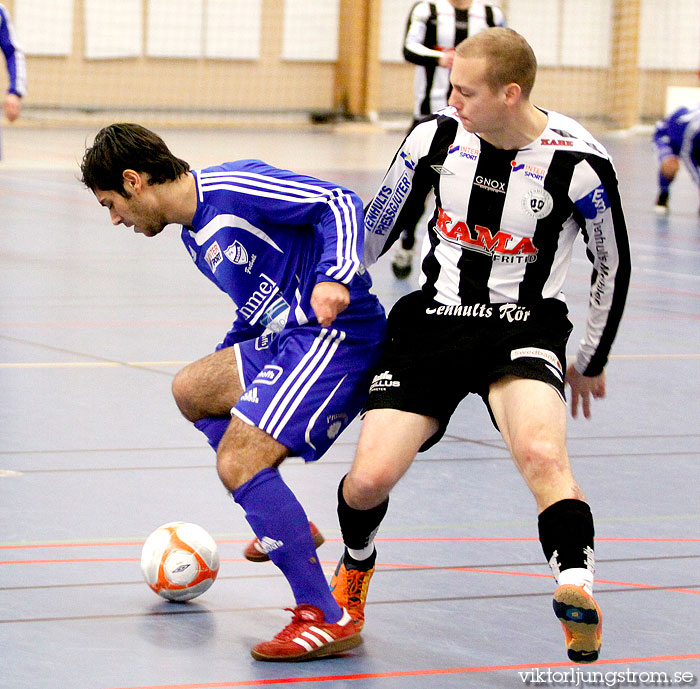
(432, 28)
(505, 220)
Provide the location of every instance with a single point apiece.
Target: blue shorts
(304, 385)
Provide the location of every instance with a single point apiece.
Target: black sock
(359, 527)
(566, 534)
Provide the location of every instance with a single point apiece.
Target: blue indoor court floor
(95, 321)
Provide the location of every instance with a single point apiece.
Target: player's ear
(132, 181)
(511, 93)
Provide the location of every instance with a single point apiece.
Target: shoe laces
(355, 577)
(294, 628)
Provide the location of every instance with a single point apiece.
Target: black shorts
(436, 355)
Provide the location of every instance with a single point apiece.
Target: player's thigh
(389, 441)
(531, 416)
(310, 390)
(209, 386)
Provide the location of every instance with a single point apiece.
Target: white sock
(363, 554)
(577, 576)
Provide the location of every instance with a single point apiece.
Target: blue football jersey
(267, 236)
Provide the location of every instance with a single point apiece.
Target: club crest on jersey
(538, 203)
(501, 246)
(213, 256)
(236, 253)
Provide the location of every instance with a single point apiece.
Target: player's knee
(182, 389)
(669, 167)
(364, 489)
(539, 458)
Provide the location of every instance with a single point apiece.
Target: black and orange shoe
(349, 588)
(582, 621)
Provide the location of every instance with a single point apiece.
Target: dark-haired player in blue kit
(677, 138)
(294, 369)
(16, 69)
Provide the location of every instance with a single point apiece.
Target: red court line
(471, 570)
(426, 539)
(475, 570)
(415, 673)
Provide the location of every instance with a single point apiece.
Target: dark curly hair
(126, 146)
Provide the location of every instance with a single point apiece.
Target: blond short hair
(509, 55)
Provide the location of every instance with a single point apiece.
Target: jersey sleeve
(285, 198)
(400, 200)
(414, 48)
(14, 57)
(600, 215)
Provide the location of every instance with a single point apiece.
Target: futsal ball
(179, 561)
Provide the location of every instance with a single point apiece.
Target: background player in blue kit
(515, 186)
(677, 138)
(16, 68)
(293, 371)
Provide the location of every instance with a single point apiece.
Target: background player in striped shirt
(432, 32)
(514, 186)
(16, 68)
(677, 138)
(294, 369)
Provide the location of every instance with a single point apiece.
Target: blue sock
(664, 183)
(214, 428)
(279, 521)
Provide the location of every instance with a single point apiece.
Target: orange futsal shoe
(349, 588)
(308, 637)
(582, 621)
(256, 552)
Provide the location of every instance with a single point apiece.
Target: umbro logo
(441, 170)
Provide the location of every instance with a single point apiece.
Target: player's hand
(447, 58)
(328, 299)
(13, 106)
(583, 388)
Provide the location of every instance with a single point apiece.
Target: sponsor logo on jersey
(250, 396)
(263, 342)
(266, 305)
(463, 310)
(275, 317)
(556, 142)
(213, 256)
(537, 203)
(385, 206)
(441, 170)
(407, 160)
(269, 375)
(513, 313)
(596, 203)
(501, 246)
(464, 151)
(193, 253)
(536, 173)
(490, 184)
(383, 381)
(551, 359)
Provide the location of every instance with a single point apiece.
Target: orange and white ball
(179, 561)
